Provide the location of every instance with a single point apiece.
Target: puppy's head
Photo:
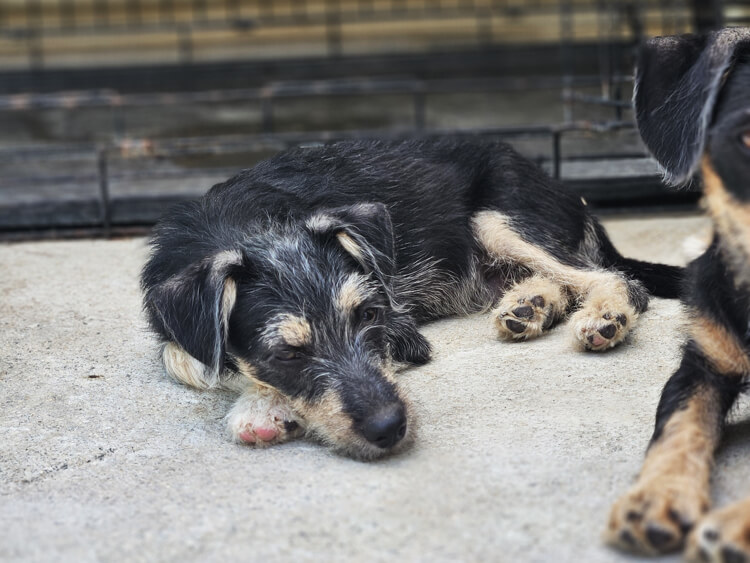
(692, 98)
(307, 309)
(692, 104)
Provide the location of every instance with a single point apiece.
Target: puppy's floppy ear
(194, 306)
(677, 83)
(364, 230)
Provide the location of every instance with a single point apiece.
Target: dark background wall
(110, 110)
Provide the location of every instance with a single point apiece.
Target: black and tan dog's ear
(364, 230)
(194, 307)
(677, 82)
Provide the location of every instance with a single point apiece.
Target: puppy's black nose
(386, 427)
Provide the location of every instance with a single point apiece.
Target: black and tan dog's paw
(598, 330)
(723, 536)
(655, 517)
(529, 308)
(262, 417)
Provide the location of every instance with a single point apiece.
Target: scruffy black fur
(692, 104)
(309, 273)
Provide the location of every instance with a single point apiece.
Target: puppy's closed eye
(287, 354)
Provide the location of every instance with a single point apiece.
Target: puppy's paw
(262, 418)
(723, 536)
(529, 308)
(596, 330)
(654, 517)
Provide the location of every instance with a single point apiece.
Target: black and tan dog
(692, 104)
(303, 279)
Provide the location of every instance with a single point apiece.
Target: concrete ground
(520, 451)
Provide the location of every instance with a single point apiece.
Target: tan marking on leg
(295, 331)
(720, 347)
(529, 307)
(262, 416)
(722, 532)
(183, 368)
(493, 231)
(601, 292)
(732, 220)
(672, 490)
(352, 294)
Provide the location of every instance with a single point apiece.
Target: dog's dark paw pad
(596, 331)
(291, 425)
(525, 312)
(538, 301)
(608, 331)
(660, 539)
(515, 326)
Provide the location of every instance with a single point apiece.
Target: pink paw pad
(266, 434)
(254, 435)
(247, 436)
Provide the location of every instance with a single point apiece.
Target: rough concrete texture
(520, 451)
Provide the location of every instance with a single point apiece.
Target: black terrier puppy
(304, 278)
(693, 109)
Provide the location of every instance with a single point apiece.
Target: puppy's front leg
(262, 416)
(672, 492)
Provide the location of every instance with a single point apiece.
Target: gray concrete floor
(520, 451)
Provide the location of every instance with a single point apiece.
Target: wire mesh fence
(112, 109)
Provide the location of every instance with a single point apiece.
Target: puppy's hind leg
(609, 309)
(611, 302)
(530, 307)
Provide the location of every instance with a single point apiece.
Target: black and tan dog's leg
(609, 309)
(723, 535)
(610, 303)
(530, 307)
(672, 490)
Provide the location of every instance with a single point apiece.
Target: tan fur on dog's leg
(606, 315)
(672, 491)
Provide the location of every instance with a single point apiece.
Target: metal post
(333, 28)
(104, 202)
